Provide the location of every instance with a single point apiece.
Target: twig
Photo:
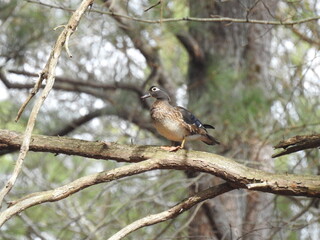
(194, 19)
(220, 19)
(293, 218)
(49, 73)
(152, 6)
(174, 211)
(67, 45)
(33, 92)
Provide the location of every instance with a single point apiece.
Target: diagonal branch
(71, 126)
(236, 174)
(297, 143)
(75, 186)
(173, 212)
(48, 73)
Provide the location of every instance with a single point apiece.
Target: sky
(3, 92)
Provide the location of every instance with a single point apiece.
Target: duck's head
(157, 93)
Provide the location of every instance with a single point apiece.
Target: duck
(176, 123)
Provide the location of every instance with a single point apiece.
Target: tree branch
(91, 84)
(106, 111)
(193, 48)
(297, 143)
(174, 211)
(74, 85)
(236, 174)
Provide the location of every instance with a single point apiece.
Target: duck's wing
(189, 118)
(195, 127)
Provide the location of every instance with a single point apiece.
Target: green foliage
(232, 102)
(25, 29)
(8, 112)
(283, 205)
(175, 58)
(6, 9)
(179, 9)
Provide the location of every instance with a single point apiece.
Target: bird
(176, 123)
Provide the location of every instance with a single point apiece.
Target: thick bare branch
(174, 211)
(235, 173)
(297, 143)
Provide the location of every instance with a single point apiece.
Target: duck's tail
(207, 139)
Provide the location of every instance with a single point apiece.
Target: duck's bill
(146, 96)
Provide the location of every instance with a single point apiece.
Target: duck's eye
(154, 89)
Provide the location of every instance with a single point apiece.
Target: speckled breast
(167, 125)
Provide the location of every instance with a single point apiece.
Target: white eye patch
(154, 89)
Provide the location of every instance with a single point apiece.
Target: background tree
(234, 66)
(255, 83)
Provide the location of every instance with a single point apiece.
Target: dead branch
(152, 6)
(48, 73)
(297, 143)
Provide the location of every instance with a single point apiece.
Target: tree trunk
(245, 50)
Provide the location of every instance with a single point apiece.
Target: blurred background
(256, 83)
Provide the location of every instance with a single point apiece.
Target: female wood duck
(176, 123)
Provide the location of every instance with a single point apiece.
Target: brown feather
(170, 123)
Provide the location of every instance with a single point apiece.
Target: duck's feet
(170, 148)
